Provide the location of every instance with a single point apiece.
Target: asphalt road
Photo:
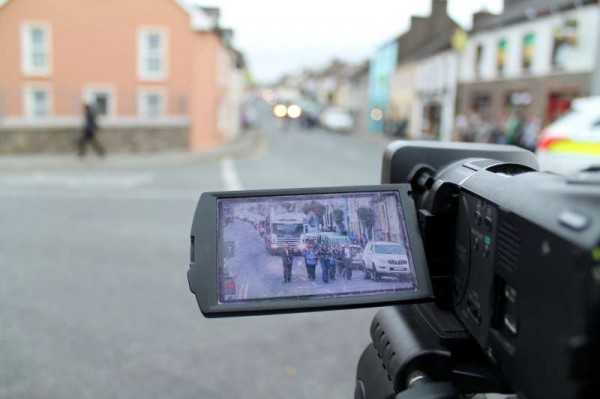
(94, 301)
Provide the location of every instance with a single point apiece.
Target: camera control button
(488, 223)
(574, 220)
(478, 218)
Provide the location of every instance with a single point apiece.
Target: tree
(338, 218)
(367, 218)
(315, 207)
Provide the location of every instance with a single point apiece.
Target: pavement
(247, 143)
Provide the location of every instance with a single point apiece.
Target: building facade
(405, 103)
(161, 65)
(531, 60)
(381, 69)
(436, 83)
(423, 86)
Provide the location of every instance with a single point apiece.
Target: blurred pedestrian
(462, 128)
(514, 129)
(288, 259)
(531, 129)
(88, 135)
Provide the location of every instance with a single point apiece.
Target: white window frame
(27, 66)
(142, 104)
(91, 89)
(142, 53)
(28, 106)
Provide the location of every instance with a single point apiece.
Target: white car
(337, 119)
(382, 258)
(572, 143)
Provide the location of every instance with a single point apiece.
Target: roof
(201, 18)
(427, 35)
(518, 11)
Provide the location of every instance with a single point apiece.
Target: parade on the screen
(320, 245)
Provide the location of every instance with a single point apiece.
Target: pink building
(142, 63)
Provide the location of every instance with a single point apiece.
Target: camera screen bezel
(202, 274)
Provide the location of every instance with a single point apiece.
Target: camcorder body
(492, 270)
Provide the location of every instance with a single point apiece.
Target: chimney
(439, 7)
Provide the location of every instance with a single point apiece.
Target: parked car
(337, 119)
(307, 238)
(332, 238)
(572, 143)
(382, 258)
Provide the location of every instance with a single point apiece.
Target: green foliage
(338, 217)
(314, 206)
(367, 218)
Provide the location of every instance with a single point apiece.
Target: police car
(572, 143)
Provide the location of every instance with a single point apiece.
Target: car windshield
(355, 251)
(283, 228)
(338, 240)
(387, 249)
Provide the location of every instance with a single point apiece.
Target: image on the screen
(313, 246)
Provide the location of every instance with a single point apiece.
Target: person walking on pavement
(89, 132)
(310, 260)
(288, 259)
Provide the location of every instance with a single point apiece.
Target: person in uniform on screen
(338, 257)
(288, 259)
(310, 260)
(324, 256)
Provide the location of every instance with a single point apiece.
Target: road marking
(77, 181)
(230, 176)
(135, 194)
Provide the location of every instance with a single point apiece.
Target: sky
(285, 36)
(281, 37)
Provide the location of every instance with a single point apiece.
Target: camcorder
(489, 270)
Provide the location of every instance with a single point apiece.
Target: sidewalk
(248, 143)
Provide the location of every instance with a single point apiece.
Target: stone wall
(113, 139)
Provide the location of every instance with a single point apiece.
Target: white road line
(76, 181)
(246, 290)
(230, 176)
(139, 194)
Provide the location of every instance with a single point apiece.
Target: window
(565, 40)
(478, 61)
(102, 100)
(501, 57)
(35, 49)
(153, 54)
(528, 50)
(38, 102)
(152, 104)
